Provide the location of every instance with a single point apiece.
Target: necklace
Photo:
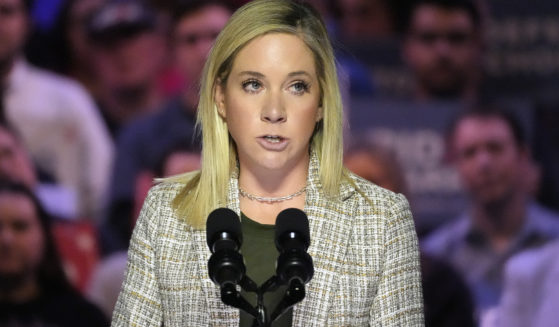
(271, 199)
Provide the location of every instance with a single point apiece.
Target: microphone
(227, 270)
(294, 266)
(292, 241)
(224, 238)
(226, 267)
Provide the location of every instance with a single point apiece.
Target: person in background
(33, 288)
(531, 290)
(107, 278)
(447, 300)
(442, 47)
(14, 159)
(56, 118)
(71, 46)
(128, 52)
(364, 20)
(376, 164)
(16, 164)
(487, 146)
(181, 158)
(143, 144)
(355, 78)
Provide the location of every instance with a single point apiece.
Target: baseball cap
(120, 19)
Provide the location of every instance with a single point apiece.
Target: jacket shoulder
(166, 188)
(160, 197)
(373, 194)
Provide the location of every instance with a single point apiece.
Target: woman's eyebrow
(298, 73)
(252, 73)
(260, 75)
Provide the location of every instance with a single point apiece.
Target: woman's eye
(299, 87)
(251, 86)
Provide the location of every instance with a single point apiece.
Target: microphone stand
(294, 294)
(232, 297)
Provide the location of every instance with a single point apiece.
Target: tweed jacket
(363, 245)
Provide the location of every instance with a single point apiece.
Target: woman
(270, 113)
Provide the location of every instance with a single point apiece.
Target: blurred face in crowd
(194, 35)
(443, 49)
(270, 102)
(362, 19)
(131, 62)
(21, 237)
(13, 29)
(14, 161)
(488, 159)
(181, 162)
(372, 169)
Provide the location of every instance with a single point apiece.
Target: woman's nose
(273, 110)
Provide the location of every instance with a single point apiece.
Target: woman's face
(271, 102)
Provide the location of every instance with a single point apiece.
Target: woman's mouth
(273, 142)
(273, 138)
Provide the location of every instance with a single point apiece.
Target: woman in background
(271, 120)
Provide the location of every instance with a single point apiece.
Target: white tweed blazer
(365, 257)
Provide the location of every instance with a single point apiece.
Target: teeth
(273, 139)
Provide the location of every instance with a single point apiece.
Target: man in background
(57, 120)
(143, 145)
(34, 290)
(128, 56)
(447, 300)
(489, 151)
(443, 49)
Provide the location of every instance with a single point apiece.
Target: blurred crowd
(453, 103)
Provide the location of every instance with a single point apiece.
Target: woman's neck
(272, 184)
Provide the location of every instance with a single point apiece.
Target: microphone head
(292, 221)
(223, 220)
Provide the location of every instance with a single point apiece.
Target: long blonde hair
(207, 189)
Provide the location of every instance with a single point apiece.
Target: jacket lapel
(219, 313)
(330, 228)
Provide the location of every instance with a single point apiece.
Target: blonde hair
(207, 189)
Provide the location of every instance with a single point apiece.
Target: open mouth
(273, 138)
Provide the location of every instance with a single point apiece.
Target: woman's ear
(219, 98)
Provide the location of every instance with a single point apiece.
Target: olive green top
(260, 255)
